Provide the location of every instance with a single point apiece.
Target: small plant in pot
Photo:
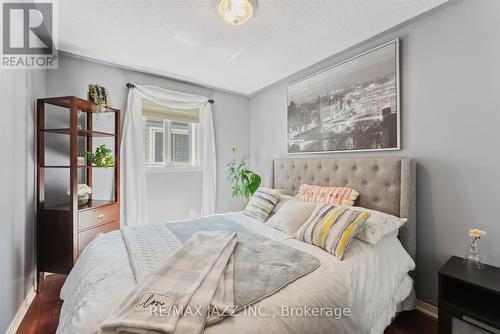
(101, 158)
(99, 95)
(244, 181)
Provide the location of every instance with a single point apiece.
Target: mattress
(357, 295)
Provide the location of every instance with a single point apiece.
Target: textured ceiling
(187, 40)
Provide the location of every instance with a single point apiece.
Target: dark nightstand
(469, 294)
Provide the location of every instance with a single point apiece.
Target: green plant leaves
(245, 182)
(98, 95)
(102, 157)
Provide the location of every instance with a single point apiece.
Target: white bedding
(371, 281)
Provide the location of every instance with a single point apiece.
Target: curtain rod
(129, 85)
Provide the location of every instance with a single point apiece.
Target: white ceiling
(187, 40)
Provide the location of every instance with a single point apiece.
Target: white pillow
(283, 198)
(377, 226)
(291, 216)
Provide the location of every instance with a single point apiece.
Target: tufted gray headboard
(384, 184)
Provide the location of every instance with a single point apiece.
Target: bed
(364, 291)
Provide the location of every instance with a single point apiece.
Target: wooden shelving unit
(80, 132)
(64, 230)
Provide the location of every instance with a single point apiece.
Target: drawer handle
(100, 216)
(99, 235)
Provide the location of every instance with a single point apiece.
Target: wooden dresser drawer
(98, 216)
(85, 237)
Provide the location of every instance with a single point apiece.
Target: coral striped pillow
(332, 228)
(262, 203)
(329, 195)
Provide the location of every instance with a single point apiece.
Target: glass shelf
(81, 132)
(84, 166)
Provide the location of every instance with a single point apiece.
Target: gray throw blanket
(178, 295)
(261, 266)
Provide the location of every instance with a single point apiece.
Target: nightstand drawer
(84, 238)
(98, 216)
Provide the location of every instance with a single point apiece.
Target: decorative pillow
(282, 200)
(332, 228)
(291, 216)
(262, 203)
(329, 195)
(378, 225)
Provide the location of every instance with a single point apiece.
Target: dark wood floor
(43, 315)
(412, 322)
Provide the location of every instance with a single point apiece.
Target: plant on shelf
(244, 181)
(101, 158)
(99, 95)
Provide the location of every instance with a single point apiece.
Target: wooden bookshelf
(64, 230)
(80, 132)
(73, 101)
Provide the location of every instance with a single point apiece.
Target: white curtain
(134, 209)
(134, 195)
(208, 161)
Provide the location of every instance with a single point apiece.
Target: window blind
(158, 147)
(153, 110)
(180, 148)
(180, 142)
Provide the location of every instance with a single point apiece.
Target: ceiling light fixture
(237, 12)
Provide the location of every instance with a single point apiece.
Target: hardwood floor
(43, 315)
(412, 322)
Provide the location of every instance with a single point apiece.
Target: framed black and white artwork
(351, 106)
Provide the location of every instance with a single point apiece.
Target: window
(155, 131)
(180, 143)
(171, 139)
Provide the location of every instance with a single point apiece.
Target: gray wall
(450, 77)
(172, 194)
(18, 90)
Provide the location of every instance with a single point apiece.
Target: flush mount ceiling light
(237, 12)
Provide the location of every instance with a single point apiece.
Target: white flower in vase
(472, 254)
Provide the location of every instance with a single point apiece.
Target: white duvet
(370, 282)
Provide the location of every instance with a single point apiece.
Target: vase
(472, 255)
(83, 199)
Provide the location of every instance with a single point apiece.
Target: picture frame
(351, 106)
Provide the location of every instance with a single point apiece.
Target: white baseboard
(427, 308)
(21, 312)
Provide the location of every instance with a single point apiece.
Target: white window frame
(152, 142)
(168, 165)
(170, 144)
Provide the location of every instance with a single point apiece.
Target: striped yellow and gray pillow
(262, 203)
(332, 228)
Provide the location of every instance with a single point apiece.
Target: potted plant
(99, 95)
(101, 158)
(244, 181)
